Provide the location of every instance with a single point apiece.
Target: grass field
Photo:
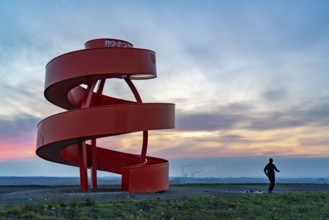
(305, 205)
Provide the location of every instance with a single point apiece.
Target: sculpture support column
(83, 153)
(83, 167)
(145, 133)
(93, 164)
(144, 147)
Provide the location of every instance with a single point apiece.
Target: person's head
(271, 160)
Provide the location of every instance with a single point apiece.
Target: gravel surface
(23, 194)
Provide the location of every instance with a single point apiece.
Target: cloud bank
(248, 79)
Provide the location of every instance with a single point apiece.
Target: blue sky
(249, 78)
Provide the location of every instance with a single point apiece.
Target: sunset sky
(249, 78)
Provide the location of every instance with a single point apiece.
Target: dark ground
(22, 194)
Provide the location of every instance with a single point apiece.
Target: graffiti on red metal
(116, 43)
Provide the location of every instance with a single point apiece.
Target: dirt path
(22, 194)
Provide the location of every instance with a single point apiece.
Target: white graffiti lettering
(116, 43)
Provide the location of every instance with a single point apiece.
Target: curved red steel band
(71, 81)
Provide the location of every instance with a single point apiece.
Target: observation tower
(75, 82)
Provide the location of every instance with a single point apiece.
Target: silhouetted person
(269, 170)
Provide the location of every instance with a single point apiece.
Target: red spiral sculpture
(75, 81)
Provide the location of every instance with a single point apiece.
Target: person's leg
(272, 183)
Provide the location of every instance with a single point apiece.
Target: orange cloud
(175, 144)
(305, 142)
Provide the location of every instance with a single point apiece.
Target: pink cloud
(17, 145)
